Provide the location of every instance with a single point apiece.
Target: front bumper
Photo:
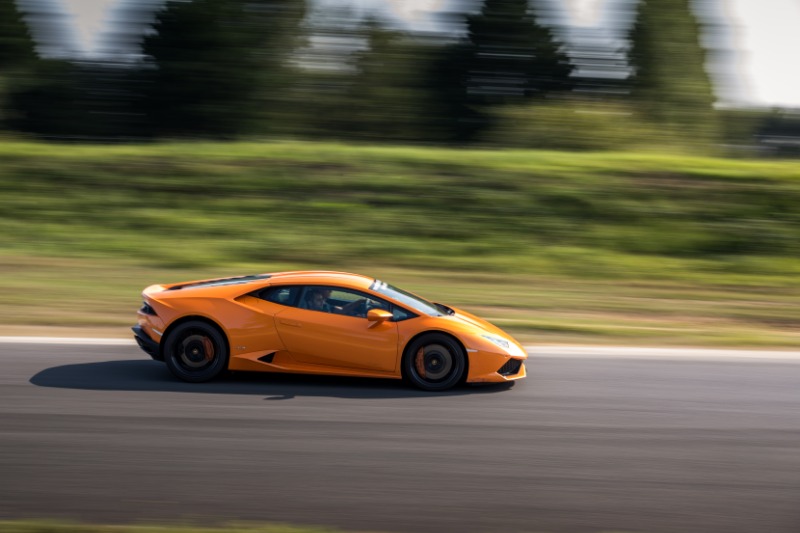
(148, 345)
(488, 367)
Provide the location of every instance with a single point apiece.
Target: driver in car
(317, 300)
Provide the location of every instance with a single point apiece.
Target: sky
(762, 37)
(768, 41)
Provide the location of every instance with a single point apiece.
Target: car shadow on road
(152, 376)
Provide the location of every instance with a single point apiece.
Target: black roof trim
(222, 281)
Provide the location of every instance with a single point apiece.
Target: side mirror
(378, 315)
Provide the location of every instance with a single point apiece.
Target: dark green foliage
(214, 64)
(46, 103)
(230, 68)
(77, 101)
(213, 69)
(67, 100)
(17, 53)
(400, 87)
(16, 44)
(387, 96)
(370, 82)
(514, 57)
(509, 58)
(669, 80)
(456, 119)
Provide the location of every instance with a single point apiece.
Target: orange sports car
(320, 323)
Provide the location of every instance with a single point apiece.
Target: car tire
(195, 352)
(434, 362)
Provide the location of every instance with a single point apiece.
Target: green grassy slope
(604, 246)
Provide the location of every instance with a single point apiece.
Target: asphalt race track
(602, 442)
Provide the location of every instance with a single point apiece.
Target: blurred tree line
(493, 74)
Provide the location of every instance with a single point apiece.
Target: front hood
(472, 320)
(479, 326)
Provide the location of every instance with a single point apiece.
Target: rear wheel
(195, 352)
(434, 362)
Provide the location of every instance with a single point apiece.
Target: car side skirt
(282, 362)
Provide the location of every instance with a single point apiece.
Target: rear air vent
(510, 368)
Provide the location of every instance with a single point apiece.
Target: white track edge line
(643, 352)
(614, 352)
(91, 341)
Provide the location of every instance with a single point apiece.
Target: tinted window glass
(341, 301)
(398, 314)
(280, 295)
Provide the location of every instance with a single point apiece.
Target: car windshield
(411, 300)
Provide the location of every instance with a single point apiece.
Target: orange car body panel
(269, 337)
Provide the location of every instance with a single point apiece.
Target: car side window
(280, 295)
(340, 301)
(399, 314)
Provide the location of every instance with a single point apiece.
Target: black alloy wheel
(434, 362)
(195, 352)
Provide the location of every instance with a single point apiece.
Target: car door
(339, 334)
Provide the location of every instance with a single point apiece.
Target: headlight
(509, 347)
(501, 342)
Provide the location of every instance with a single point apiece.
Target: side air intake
(267, 358)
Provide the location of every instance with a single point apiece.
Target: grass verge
(90, 297)
(555, 247)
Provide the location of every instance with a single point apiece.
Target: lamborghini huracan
(331, 323)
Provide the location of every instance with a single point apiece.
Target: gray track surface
(103, 434)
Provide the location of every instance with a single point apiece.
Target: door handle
(289, 323)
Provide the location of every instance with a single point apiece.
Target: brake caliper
(419, 362)
(208, 347)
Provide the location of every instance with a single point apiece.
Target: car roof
(237, 284)
(321, 277)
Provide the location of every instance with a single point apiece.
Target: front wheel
(195, 352)
(434, 362)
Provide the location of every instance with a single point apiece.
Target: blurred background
(585, 170)
(579, 74)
